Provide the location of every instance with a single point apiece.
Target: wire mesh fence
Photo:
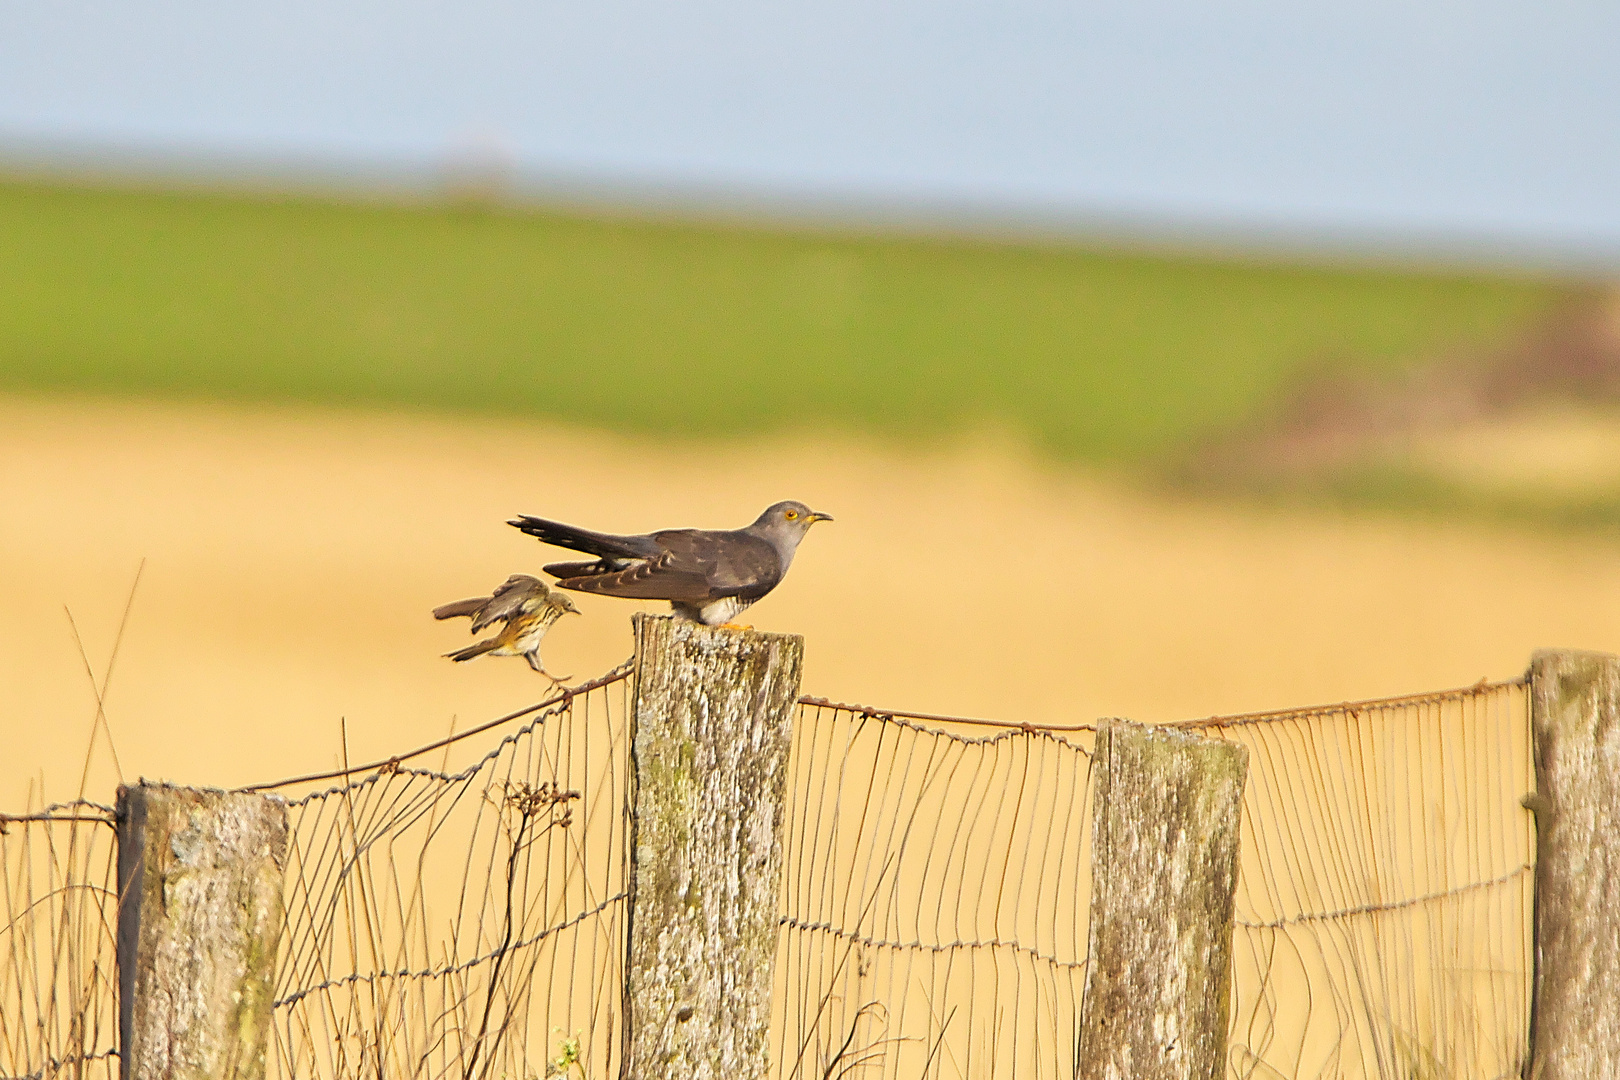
(58, 942)
(1383, 923)
(463, 924)
(471, 921)
(934, 906)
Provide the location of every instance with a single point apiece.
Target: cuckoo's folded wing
(652, 579)
(592, 543)
(733, 563)
(692, 565)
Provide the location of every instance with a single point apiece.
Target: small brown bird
(526, 605)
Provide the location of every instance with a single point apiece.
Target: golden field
(291, 559)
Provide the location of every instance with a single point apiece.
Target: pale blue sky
(1487, 120)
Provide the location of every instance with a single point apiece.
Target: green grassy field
(689, 329)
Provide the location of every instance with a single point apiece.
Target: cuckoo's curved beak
(817, 515)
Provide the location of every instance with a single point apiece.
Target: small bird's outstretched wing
(461, 607)
(518, 594)
(603, 545)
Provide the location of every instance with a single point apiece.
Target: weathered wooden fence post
(1164, 861)
(1575, 728)
(711, 729)
(199, 919)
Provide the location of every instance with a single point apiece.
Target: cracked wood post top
(711, 730)
(1165, 821)
(200, 916)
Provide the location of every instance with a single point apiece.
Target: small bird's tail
(474, 650)
(460, 607)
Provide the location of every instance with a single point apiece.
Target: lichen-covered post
(1575, 731)
(199, 919)
(711, 731)
(1165, 818)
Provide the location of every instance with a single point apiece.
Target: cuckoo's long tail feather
(592, 543)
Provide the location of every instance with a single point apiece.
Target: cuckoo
(708, 575)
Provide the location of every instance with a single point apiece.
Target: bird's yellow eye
(790, 514)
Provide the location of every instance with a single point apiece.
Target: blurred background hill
(699, 330)
(1277, 348)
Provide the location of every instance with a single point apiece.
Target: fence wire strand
(463, 924)
(58, 943)
(469, 920)
(1383, 916)
(934, 905)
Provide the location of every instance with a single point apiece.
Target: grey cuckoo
(707, 575)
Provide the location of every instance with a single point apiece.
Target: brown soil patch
(1341, 416)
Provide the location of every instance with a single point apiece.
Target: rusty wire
(459, 922)
(58, 949)
(563, 697)
(934, 904)
(1383, 922)
(1385, 894)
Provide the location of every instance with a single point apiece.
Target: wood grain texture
(712, 728)
(200, 880)
(1164, 867)
(1574, 709)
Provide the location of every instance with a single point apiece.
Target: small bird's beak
(817, 515)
